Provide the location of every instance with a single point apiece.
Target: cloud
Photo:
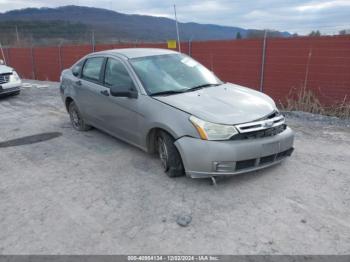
(317, 6)
(302, 16)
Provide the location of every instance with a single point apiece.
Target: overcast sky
(301, 16)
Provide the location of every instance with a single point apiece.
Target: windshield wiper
(169, 92)
(172, 92)
(200, 87)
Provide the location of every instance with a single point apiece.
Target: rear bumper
(203, 158)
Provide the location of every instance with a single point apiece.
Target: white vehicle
(10, 82)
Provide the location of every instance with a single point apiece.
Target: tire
(77, 121)
(169, 156)
(16, 93)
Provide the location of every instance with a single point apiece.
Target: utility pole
(177, 29)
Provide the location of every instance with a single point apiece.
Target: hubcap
(163, 154)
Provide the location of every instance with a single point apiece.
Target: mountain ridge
(111, 24)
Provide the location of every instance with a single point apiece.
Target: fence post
(93, 40)
(33, 63)
(2, 54)
(261, 88)
(8, 56)
(60, 57)
(307, 68)
(190, 47)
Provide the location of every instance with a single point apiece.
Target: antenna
(177, 29)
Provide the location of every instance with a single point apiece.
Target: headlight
(14, 76)
(211, 131)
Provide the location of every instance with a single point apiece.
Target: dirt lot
(88, 193)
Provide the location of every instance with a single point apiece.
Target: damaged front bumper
(202, 158)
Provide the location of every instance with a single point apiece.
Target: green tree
(261, 33)
(344, 32)
(238, 35)
(315, 33)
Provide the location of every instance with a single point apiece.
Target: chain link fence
(276, 66)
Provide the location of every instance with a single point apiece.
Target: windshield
(172, 73)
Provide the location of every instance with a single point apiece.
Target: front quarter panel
(160, 115)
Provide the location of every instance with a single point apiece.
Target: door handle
(105, 93)
(78, 83)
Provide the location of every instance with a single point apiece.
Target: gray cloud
(302, 16)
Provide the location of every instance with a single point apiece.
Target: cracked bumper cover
(202, 158)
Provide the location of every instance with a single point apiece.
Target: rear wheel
(169, 156)
(77, 121)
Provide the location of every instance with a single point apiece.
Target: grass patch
(306, 100)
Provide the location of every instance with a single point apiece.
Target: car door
(88, 89)
(121, 115)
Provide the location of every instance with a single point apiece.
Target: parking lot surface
(69, 192)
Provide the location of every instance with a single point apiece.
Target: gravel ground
(89, 193)
(316, 119)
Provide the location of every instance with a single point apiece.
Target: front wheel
(169, 156)
(77, 121)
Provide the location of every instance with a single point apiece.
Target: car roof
(137, 52)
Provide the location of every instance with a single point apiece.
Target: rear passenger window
(92, 68)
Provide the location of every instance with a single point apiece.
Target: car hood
(5, 69)
(225, 104)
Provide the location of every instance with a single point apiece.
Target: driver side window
(116, 75)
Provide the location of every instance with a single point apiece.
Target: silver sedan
(167, 103)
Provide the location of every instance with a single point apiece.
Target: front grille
(245, 164)
(267, 159)
(5, 78)
(268, 122)
(251, 163)
(260, 133)
(285, 153)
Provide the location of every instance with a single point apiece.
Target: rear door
(89, 88)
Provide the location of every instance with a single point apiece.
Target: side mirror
(2, 62)
(122, 91)
(76, 71)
